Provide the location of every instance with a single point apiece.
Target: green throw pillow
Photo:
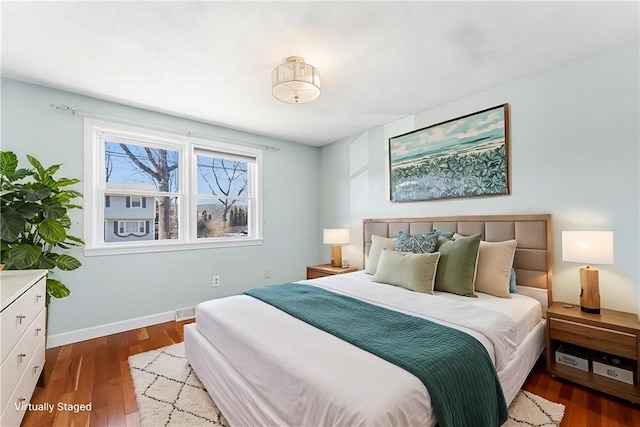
(457, 265)
(415, 272)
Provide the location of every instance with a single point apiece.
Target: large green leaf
(63, 182)
(29, 210)
(31, 194)
(3, 248)
(71, 194)
(19, 174)
(11, 224)
(53, 210)
(65, 221)
(67, 262)
(23, 255)
(8, 163)
(42, 173)
(45, 262)
(51, 170)
(57, 289)
(70, 242)
(76, 240)
(5, 192)
(51, 231)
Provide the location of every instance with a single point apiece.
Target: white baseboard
(78, 335)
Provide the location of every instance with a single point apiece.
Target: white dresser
(22, 343)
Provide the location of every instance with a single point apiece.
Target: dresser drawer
(16, 318)
(595, 338)
(19, 358)
(14, 411)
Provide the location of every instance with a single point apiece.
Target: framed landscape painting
(463, 157)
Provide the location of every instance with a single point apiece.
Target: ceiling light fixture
(295, 82)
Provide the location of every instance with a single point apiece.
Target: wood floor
(97, 372)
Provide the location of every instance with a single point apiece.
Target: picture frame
(463, 157)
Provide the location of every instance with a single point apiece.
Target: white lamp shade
(590, 247)
(335, 236)
(295, 82)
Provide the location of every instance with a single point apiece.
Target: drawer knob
(20, 318)
(20, 357)
(35, 369)
(38, 330)
(38, 297)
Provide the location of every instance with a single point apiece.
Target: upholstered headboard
(534, 253)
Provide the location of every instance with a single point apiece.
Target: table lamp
(590, 247)
(336, 237)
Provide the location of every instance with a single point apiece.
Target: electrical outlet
(216, 281)
(267, 273)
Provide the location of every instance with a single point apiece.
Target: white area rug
(169, 394)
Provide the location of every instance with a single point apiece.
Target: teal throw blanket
(454, 367)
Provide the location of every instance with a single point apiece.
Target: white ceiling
(379, 61)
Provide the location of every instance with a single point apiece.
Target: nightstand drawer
(324, 270)
(315, 274)
(596, 338)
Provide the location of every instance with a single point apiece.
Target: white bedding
(506, 322)
(264, 367)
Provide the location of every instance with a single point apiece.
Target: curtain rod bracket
(63, 108)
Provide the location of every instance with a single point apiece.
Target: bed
(263, 366)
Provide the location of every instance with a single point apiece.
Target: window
(132, 227)
(136, 202)
(149, 191)
(222, 192)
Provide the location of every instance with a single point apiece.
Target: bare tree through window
(142, 164)
(223, 187)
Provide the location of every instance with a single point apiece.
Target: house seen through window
(164, 192)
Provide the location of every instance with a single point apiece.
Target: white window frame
(137, 199)
(140, 224)
(96, 132)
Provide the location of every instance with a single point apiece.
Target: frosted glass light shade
(590, 247)
(335, 236)
(295, 82)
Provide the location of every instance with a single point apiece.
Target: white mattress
(265, 367)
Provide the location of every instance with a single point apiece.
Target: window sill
(170, 246)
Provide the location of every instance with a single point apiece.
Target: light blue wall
(119, 287)
(574, 153)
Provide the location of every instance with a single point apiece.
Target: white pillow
(377, 244)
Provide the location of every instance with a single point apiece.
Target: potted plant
(34, 219)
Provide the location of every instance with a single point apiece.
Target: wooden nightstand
(315, 271)
(611, 332)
